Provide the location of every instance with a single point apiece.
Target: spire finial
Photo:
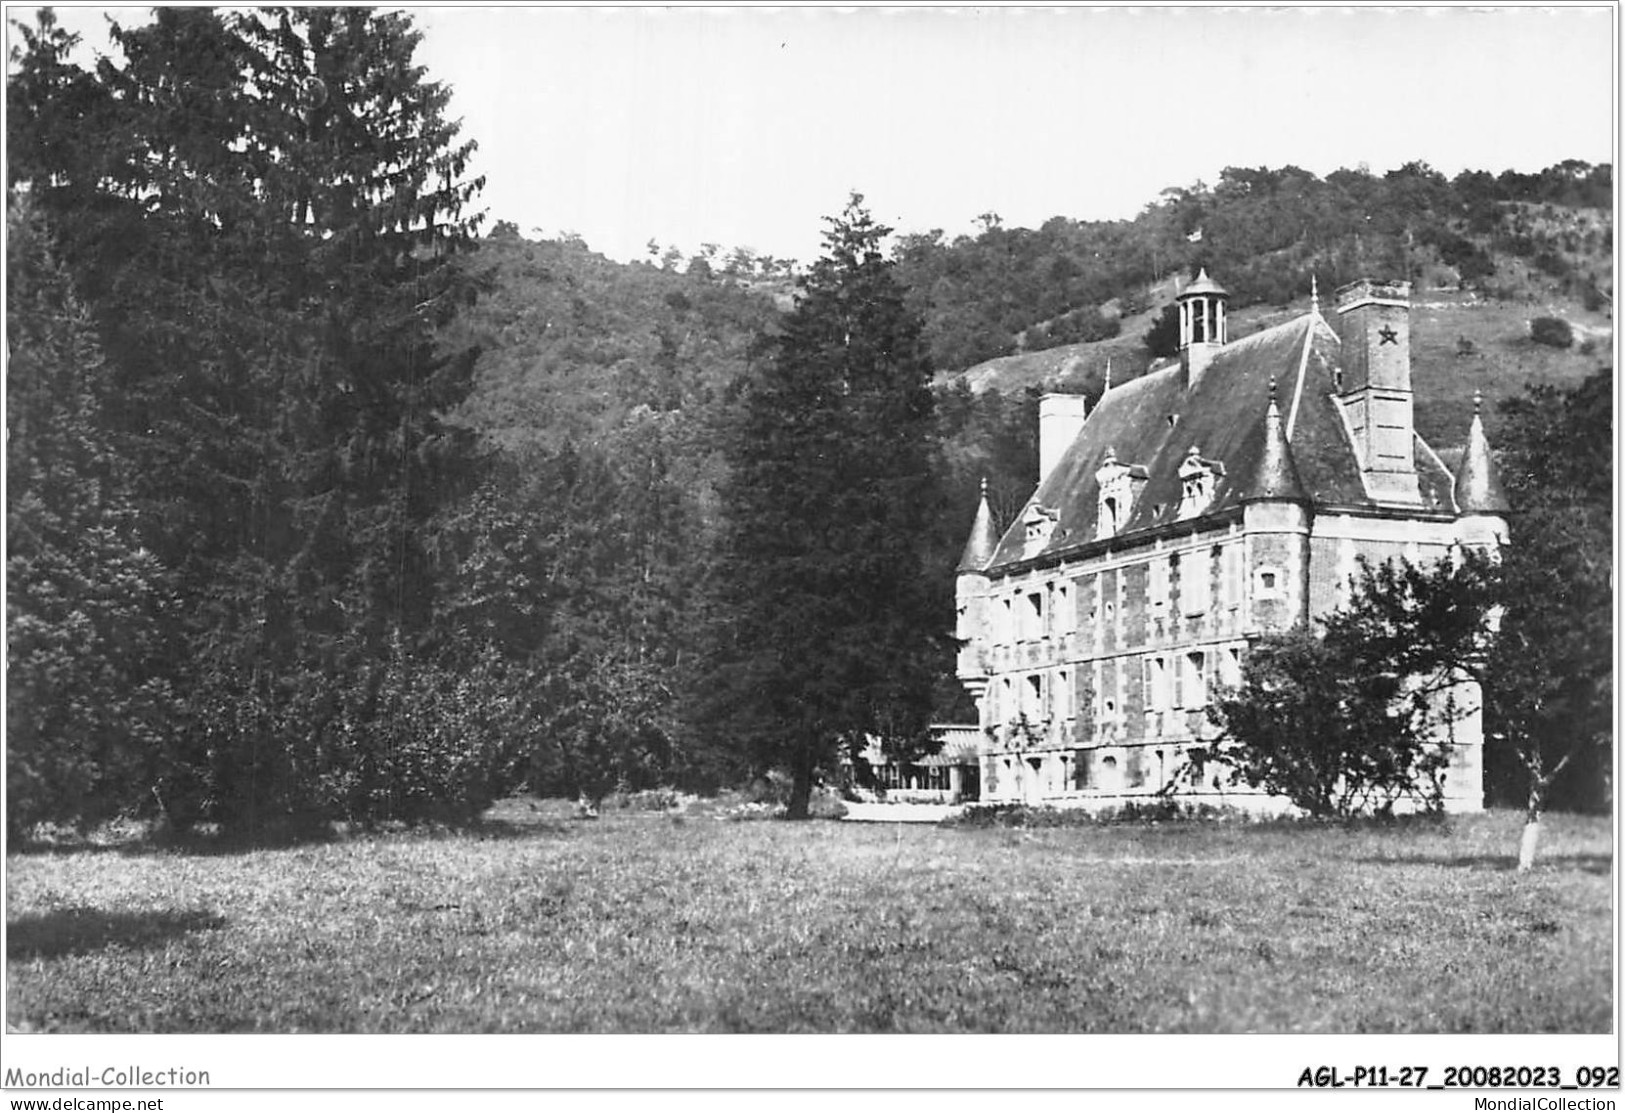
(1108, 384)
(1478, 401)
(984, 486)
(1314, 295)
(1272, 412)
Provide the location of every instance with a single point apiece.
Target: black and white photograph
(1067, 547)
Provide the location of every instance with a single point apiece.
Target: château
(1229, 494)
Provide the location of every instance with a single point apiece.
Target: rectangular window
(1060, 691)
(1033, 616)
(1195, 588)
(1195, 680)
(1033, 704)
(1157, 585)
(1156, 684)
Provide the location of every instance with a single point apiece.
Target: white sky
(746, 126)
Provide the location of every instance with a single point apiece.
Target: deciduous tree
(1357, 714)
(1550, 682)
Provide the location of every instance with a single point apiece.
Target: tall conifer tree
(85, 695)
(832, 615)
(261, 225)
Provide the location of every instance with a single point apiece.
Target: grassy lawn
(646, 922)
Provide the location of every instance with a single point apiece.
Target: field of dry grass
(655, 922)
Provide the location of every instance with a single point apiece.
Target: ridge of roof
(1263, 336)
(1318, 327)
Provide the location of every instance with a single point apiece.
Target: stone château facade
(1227, 495)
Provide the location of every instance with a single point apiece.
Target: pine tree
(832, 615)
(86, 697)
(263, 232)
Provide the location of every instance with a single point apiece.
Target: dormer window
(1118, 483)
(1038, 525)
(1197, 479)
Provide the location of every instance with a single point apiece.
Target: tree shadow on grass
(1602, 864)
(72, 850)
(77, 931)
(210, 841)
(202, 840)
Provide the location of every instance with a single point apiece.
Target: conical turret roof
(1277, 474)
(983, 539)
(1203, 285)
(1478, 488)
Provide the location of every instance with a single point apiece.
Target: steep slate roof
(1223, 415)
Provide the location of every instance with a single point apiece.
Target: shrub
(398, 739)
(1354, 716)
(1162, 338)
(1159, 809)
(648, 800)
(1551, 331)
(774, 788)
(826, 804)
(1551, 262)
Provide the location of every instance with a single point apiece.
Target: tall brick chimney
(1060, 420)
(1374, 386)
